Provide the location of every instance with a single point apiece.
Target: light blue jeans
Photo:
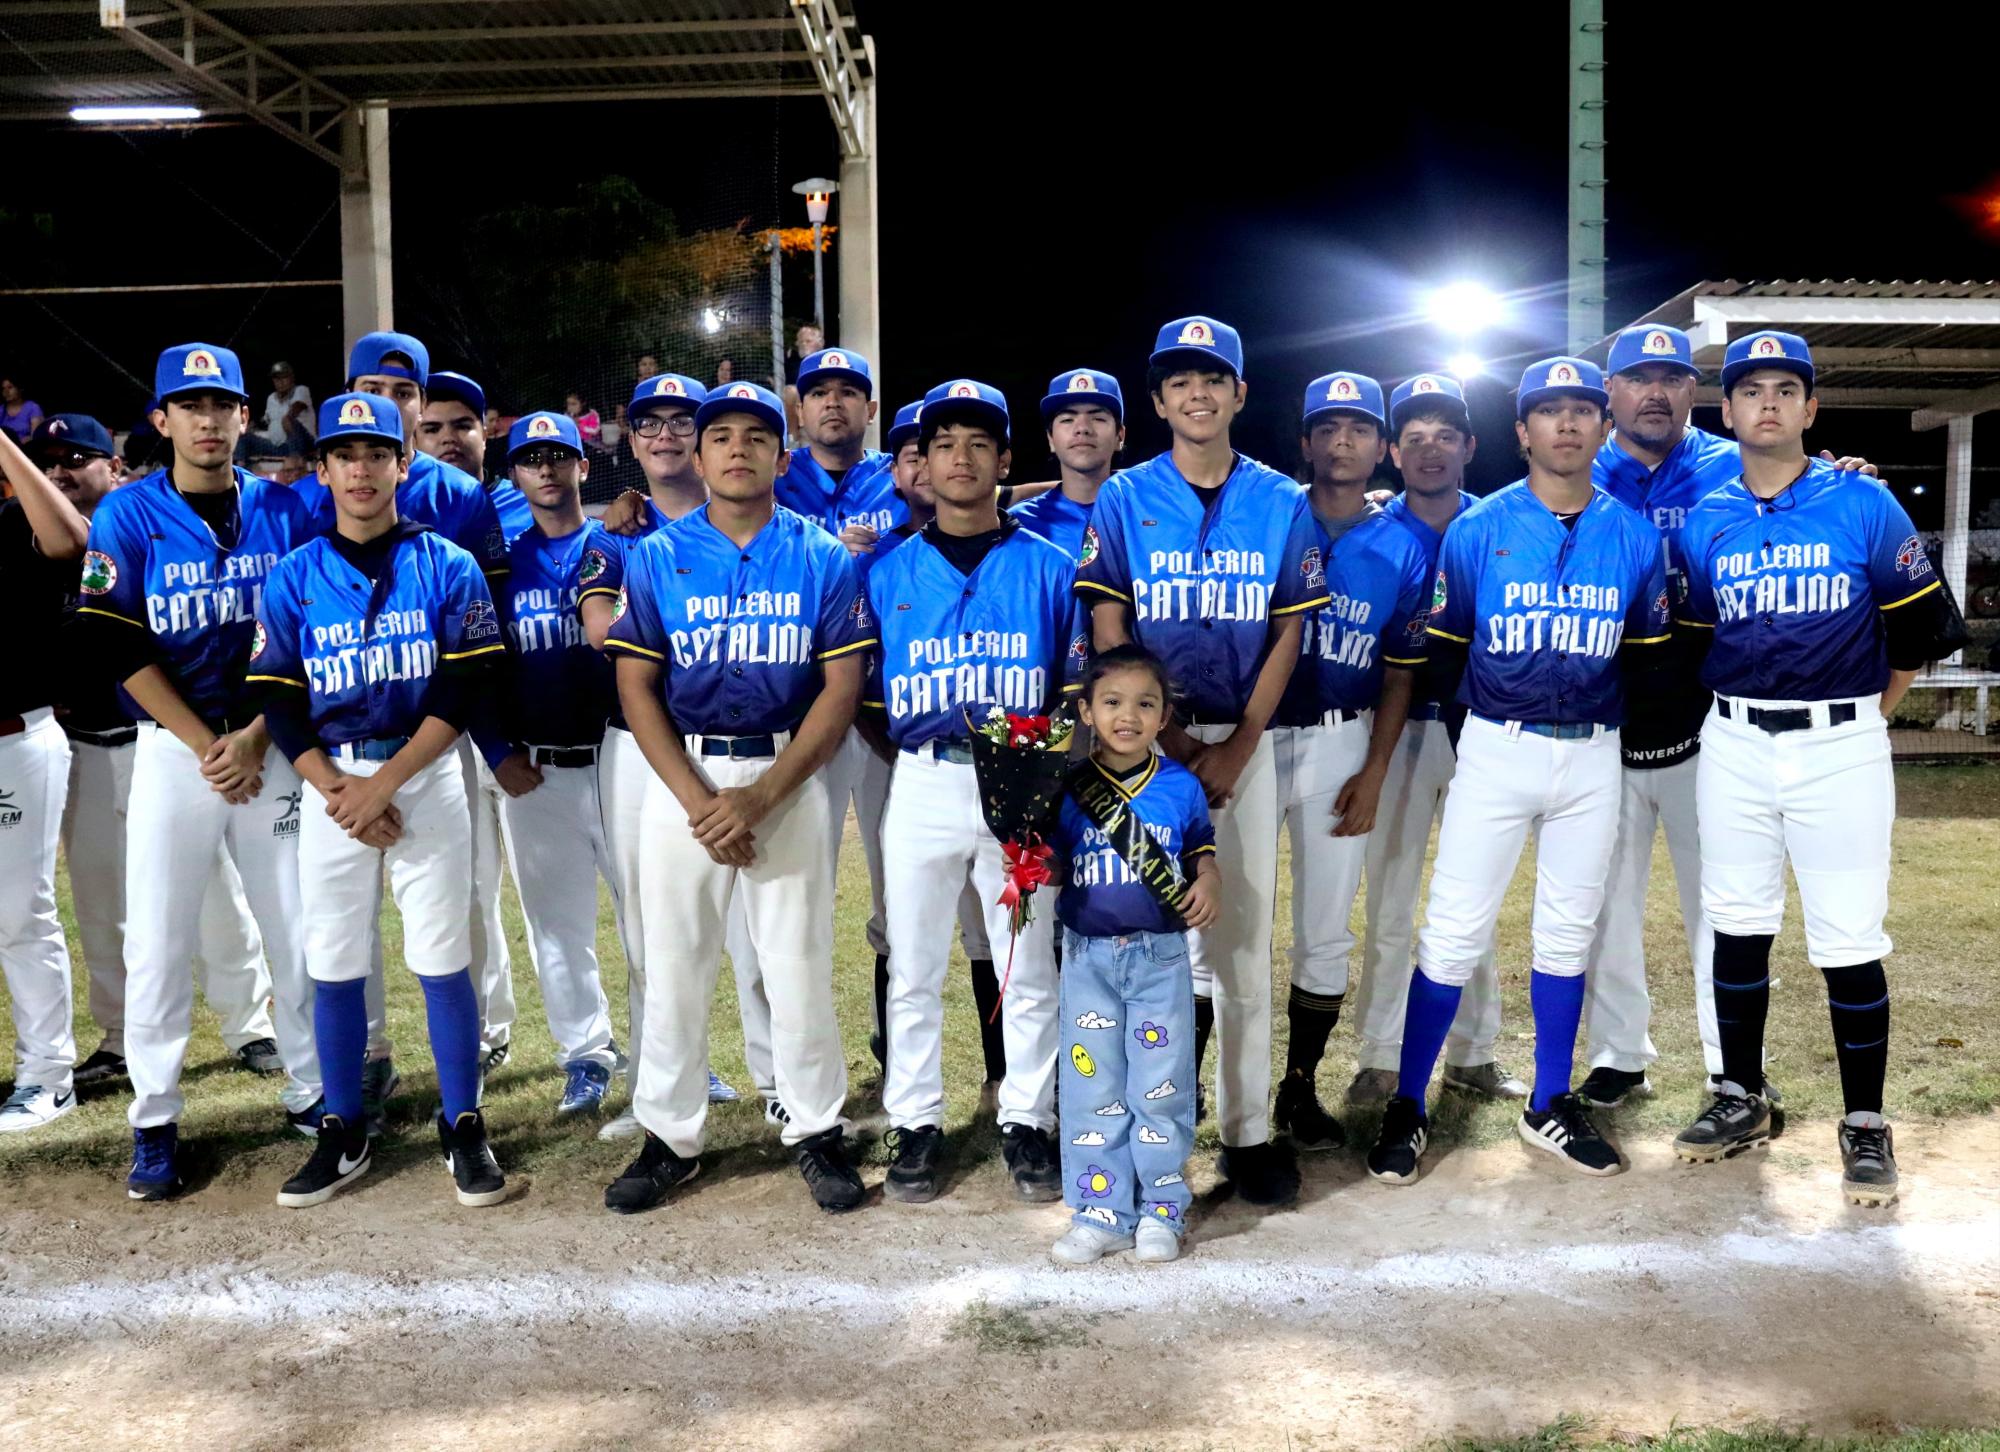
(1128, 1076)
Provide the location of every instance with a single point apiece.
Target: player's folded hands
(728, 819)
(355, 802)
(517, 775)
(234, 766)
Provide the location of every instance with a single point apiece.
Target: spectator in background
(287, 422)
(18, 413)
(588, 424)
(143, 451)
(277, 461)
(725, 372)
(808, 341)
(648, 367)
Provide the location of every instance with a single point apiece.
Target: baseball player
(1340, 720)
(1821, 605)
(41, 536)
(170, 585)
(561, 585)
(974, 611)
(452, 430)
(372, 647)
(80, 458)
(1547, 592)
(1432, 444)
(1208, 559)
(740, 642)
(1084, 414)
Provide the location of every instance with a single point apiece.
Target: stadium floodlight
(1463, 366)
(1465, 308)
(135, 113)
(818, 192)
(711, 320)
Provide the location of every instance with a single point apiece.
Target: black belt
(117, 736)
(223, 725)
(1199, 718)
(1791, 718)
(563, 756)
(943, 749)
(740, 748)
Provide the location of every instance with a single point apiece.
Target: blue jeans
(1127, 1078)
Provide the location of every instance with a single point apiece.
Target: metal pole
(819, 285)
(1586, 174)
(777, 312)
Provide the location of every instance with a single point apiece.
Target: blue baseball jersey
(741, 633)
(439, 495)
(1693, 469)
(1543, 609)
(1377, 615)
(1057, 518)
(1204, 583)
(155, 564)
(1100, 897)
(1010, 634)
(1431, 540)
(866, 494)
(365, 651)
(563, 688)
(511, 505)
(1795, 587)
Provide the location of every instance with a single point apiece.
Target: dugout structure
(1928, 349)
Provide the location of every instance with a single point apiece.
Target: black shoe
(1303, 1118)
(260, 1056)
(878, 1042)
(1398, 1156)
(339, 1159)
(470, 1159)
(307, 1121)
(1772, 1096)
(1263, 1174)
(1566, 1130)
(1868, 1164)
(913, 1174)
(1731, 1124)
(1609, 1088)
(493, 1058)
(650, 1178)
(1031, 1159)
(99, 1068)
(834, 1183)
(379, 1080)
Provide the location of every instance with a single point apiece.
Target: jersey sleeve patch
(100, 573)
(480, 622)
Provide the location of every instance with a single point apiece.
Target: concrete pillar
(860, 263)
(1957, 507)
(368, 299)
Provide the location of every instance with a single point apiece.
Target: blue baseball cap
(1081, 386)
(1428, 390)
(543, 427)
(197, 368)
(750, 398)
(360, 416)
(665, 390)
(1766, 350)
(964, 400)
(365, 361)
(458, 387)
(1198, 342)
(71, 431)
(835, 363)
(904, 428)
(1651, 343)
(1343, 393)
(1553, 377)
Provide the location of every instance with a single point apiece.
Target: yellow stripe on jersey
(850, 649)
(635, 649)
(1103, 590)
(469, 654)
(1446, 635)
(1312, 604)
(109, 615)
(1895, 604)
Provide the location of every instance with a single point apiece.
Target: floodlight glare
(711, 320)
(1464, 365)
(135, 113)
(1465, 308)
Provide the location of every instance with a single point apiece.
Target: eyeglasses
(543, 458)
(679, 424)
(69, 459)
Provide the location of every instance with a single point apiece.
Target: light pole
(818, 192)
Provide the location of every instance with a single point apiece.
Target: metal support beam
(825, 31)
(859, 259)
(1586, 174)
(368, 295)
(1957, 509)
(1913, 312)
(1945, 409)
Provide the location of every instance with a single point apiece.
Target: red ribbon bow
(1027, 869)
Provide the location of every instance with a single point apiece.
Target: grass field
(1945, 1059)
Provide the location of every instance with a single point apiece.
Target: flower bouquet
(1021, 763)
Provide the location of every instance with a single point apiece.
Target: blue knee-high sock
(453, 1010)
(1426, 1021)
(1557, 1000)
(340, 1027)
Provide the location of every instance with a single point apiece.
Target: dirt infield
(1494, 1296)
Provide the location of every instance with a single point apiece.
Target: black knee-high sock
(1742, 1001)
(1204, 1025)
(986, 994)
(1313, 1016)
(1858, 999)
(880, 1043)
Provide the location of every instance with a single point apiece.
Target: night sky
(1059, 180)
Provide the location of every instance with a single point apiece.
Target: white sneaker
(1083, 1244)
(775, 1113)
(623, 1127)
(1156, 1242)
(31, 1106)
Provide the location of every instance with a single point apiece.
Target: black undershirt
(1569, 520)
(217, 511)
(965, 551)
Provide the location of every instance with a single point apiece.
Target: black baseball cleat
(260, 1056)
(1772, 1096)
(1032, 1162)
(914, 1176)
(1605, 1088)
(1303, 1118)
(1263, 1174)
(100, 1068)
(835, 1184)
(1731, 1124)
(1398, 1155)
(650, 1178)
(1867, 1164)
(339, 1159)
(1566, 1130)
(470, 1159)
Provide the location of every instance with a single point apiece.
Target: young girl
(1137, 868)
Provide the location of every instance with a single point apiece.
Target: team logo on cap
(669, 388)
(1768, 346)
(1089, 551)
(743, 390)
(1200, 334)
(541, 426)
(964, 390)
(1657, 343)
(201, 364)
(594, 565)
(1561, 376)
(354, 411)
(100, 573)
(1425, 384)
(833, 360)
(1083, 383)
(58, 426)
(1343, 388)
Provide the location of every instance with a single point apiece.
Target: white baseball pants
(1232, 957)
(34, 779)
(1312, 764)
(1617, 1008)
(1826, 799)
(787, 896)
(1413, 795)
(935, 841)
(229, 958)
(175, 825)
(1508, 782)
